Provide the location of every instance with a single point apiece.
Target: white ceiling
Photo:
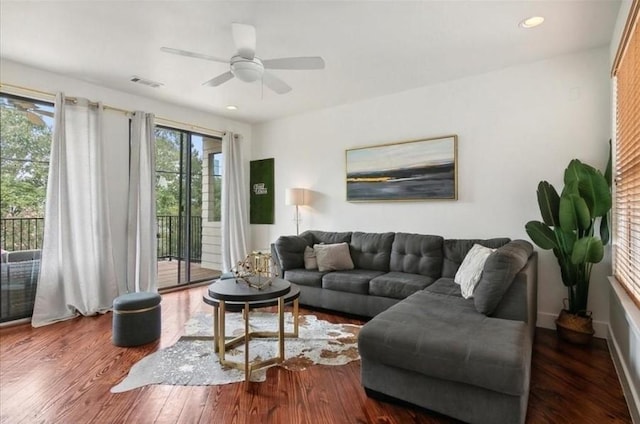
(371, 48)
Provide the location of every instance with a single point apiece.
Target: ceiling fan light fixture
(531, 22)
(247, 70)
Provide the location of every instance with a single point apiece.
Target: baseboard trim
(548, 320)
(632, 397)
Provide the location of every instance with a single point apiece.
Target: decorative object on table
(297, 197)
(257, 270)
(192, 361)
(568, 228)
(261, 198)
(411, 170)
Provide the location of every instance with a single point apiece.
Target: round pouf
(136, 319)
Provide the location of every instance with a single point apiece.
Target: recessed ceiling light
(531, 22)
(232, 107)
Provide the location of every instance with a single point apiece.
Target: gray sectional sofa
(426, 344)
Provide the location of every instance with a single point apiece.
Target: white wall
(117, 130)
(516, 127)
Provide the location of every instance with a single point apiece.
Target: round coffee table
(238, 294)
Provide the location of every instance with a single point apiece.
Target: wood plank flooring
(168, 273)
(62, 374)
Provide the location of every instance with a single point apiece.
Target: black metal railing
(21, 233)
(171, 239)
(27, 234)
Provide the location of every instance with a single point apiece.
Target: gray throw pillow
(333, 257)
(310, 261)
(499, 271)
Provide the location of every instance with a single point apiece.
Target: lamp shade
(295, 196)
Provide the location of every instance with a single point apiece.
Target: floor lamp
(296, 196)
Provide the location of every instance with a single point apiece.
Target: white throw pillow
(470, 270)
(333, 257)
(310, 261)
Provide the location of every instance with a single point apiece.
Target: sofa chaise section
(466, 358)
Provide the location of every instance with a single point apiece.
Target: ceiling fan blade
(275, 83)
(22, 104)
(35, 119)
(220, 79)
(297, 63)
(244, 37)
(192, 54)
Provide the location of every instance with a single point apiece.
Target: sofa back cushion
(325, 237)
(455, 251)
(371, 251)
(499, 272)
(417, 254)
(290, 251)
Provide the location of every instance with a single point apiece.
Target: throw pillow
(470, 270)
(310, 261)
(333, 257)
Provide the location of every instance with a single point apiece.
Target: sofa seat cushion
(304, 277)
(444, 337)
(398, 285)
(352, 281)
(445, 286)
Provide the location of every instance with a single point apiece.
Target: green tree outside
(24, 165)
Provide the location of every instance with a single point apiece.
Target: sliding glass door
(187, 242)
(26, 128)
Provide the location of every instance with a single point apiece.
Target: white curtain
(142, 272)
(77, 274)
(234, 203)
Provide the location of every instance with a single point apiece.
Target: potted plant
(568, 228)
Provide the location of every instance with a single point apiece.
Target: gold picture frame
(423, 169)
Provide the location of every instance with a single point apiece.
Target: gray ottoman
(136, 319)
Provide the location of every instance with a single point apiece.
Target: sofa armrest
(520, 302)
(290, 252)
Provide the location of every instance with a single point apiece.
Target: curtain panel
(234, 203)
(77, 270)
(142, 272)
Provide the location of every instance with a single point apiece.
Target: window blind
(627, 168)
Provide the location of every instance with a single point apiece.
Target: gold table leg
(247, 337)
(221, 344)
(216, 329)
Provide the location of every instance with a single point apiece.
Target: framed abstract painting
(423, 169)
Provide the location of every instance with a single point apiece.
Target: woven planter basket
(575, 328)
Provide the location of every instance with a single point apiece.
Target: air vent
(146, 82)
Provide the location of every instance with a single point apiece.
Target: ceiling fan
(247, 67)
(31, 110)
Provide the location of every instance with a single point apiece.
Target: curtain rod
(51, 96)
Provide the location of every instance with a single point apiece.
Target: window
(26, 129)
(627, 168)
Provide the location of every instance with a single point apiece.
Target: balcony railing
(170, 238)
(21, 233)
(27, 234)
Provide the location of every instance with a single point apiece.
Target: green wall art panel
(262, 198)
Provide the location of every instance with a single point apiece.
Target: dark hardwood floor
(62, 374)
